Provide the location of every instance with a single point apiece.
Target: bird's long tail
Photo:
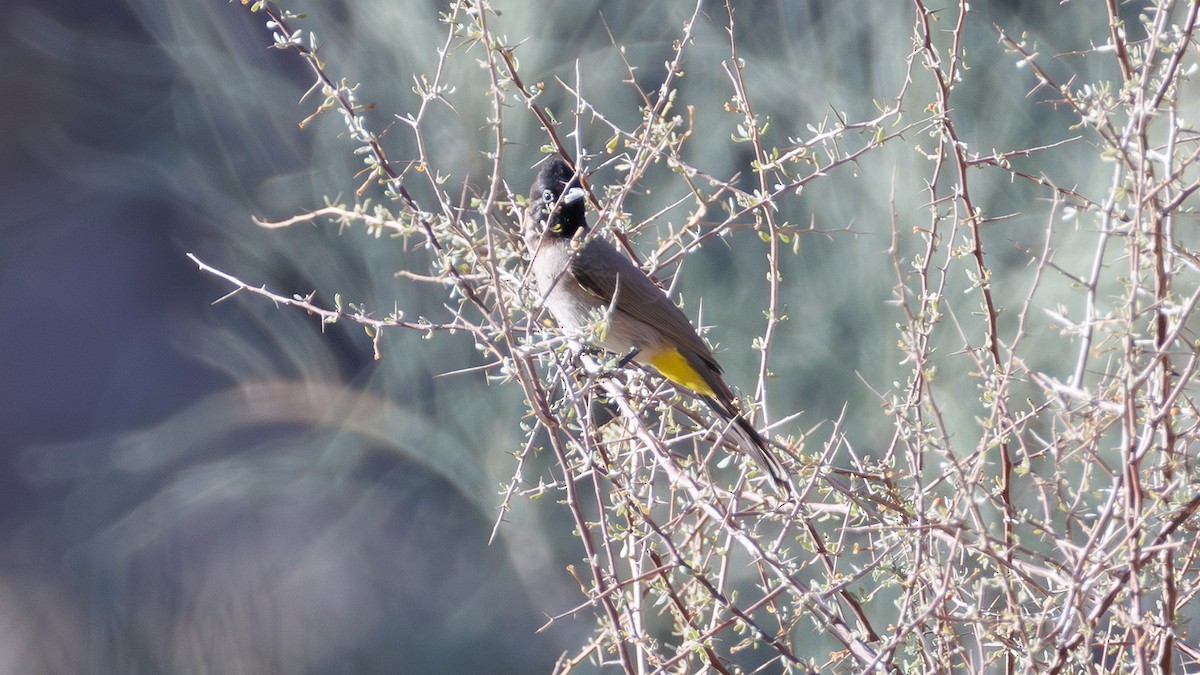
(753, 444)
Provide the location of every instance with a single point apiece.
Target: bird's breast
(577, 309)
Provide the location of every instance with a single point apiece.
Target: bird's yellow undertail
(675, 368)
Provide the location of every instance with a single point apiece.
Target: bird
(582, 279)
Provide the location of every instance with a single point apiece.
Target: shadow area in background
(272, 547)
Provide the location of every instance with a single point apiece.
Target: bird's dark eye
(548, 196)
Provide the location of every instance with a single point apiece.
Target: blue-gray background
(187, 487)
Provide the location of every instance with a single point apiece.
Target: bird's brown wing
(603, 271)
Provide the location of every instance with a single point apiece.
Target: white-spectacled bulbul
(584, 279)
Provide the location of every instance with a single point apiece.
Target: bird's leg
(598, 360)
(628, 358)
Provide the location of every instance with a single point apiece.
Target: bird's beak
(573, 195)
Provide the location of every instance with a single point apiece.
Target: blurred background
(198, 487)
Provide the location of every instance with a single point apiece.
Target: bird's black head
(557, 203)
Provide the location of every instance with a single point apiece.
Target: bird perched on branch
(583, 280)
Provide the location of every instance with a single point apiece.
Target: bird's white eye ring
(548, 196)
